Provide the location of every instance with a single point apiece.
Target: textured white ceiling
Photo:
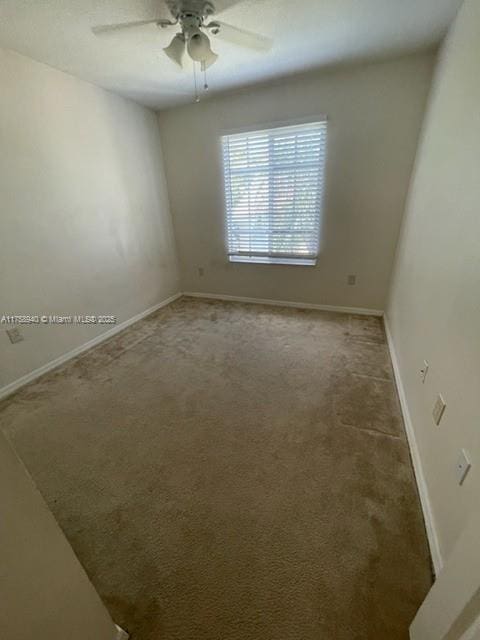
(307, 34)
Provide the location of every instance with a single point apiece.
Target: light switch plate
(463, 467)
(439, 409)
(15, 335)
(352, 280)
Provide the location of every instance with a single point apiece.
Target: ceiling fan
(194, 18)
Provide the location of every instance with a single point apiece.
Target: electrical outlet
(351, 280)
(424, 371)
(439, 409)
(15, 335)
(201, 272)
(463, 467)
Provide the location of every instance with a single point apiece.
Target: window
(273, 189)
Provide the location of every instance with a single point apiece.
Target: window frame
(258, 128)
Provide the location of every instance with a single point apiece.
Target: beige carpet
(234, 472)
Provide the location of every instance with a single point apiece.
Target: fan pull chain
(197, 97)
(204, 69)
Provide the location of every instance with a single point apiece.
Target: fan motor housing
(192, 10)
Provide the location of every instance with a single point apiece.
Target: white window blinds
(274, 183)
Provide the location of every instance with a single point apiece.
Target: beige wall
(375, 112)
(84, 216)
(44, 592)
(434, 311)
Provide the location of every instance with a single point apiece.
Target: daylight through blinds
(274, 183)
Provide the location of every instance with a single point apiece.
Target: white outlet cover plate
(424, 371)
(463, 467)
(439, 409)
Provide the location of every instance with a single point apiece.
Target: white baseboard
(120, 633)
(416, 459)
(284, 303)
(53, 364)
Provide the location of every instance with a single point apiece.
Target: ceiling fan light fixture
(176, 49)
(209, 60)
(199, 48)
(194, 19)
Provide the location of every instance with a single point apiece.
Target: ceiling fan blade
(242, 37)
(223, 5)
(108, 28)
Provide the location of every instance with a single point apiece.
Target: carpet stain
(231, 471)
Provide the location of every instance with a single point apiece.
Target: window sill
(299, 262)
